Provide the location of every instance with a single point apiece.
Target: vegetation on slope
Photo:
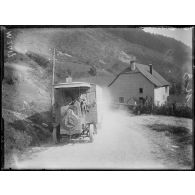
(105, 49)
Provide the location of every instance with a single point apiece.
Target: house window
(141, 90)
(141, 100)
(121, 100)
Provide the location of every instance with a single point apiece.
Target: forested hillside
(104, 51)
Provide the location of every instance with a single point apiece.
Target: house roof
(155, 77)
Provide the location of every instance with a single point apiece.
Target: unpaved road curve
(123, 143)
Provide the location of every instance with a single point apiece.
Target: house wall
(127, 86)
(160, 95)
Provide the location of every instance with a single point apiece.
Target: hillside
(89, 54)
(108, 50)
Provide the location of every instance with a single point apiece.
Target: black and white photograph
(97, 98)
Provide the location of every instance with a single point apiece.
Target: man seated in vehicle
(76, 103)
(71, 115)
(71, 120)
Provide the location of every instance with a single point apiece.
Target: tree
(92, 71)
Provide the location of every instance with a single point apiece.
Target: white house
(138, 83)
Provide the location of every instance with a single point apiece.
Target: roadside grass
(181, 138)
(20, 134)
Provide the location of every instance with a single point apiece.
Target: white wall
(127, 86)
(160, 95)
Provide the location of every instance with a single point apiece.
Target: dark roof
(155, 77)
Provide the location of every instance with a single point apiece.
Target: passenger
(83, 104)
(71, 119)
(67, 103)
(76, 104)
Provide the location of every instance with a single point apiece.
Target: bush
(167, 109)
(183, 111)
(9, 76)
(15, 140)
(42, 61)
(92, 71)
(20, 134)
(9, 81)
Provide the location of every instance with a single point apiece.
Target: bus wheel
(91, 132)
(54, 135)
(58, 133)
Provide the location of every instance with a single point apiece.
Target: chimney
(132, 65)
(150, 66)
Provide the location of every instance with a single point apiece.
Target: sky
(181, 34)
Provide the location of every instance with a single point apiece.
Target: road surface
(123, 142)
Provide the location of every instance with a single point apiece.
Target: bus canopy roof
(72, 85)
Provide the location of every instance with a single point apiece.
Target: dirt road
(124, 142)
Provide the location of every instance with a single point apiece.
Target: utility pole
(52, 97)
(53, 82)
(54, 56)
(53, 78)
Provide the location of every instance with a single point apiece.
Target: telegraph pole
(52, 97)
(54, 62)
(53, 77)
